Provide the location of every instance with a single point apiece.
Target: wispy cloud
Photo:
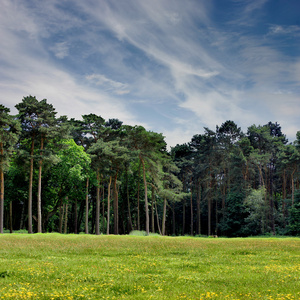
(292, 30)
(108, 84)
(173, 66)
(61, 50)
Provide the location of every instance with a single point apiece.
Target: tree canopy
(223, 182)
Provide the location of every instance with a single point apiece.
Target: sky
(172, 66)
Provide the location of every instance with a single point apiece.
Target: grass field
(53, 266)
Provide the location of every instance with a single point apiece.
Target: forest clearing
(55, 266)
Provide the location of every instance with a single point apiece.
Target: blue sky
(172, 66)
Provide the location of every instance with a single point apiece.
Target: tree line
(101, 177)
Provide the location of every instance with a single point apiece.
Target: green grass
(53, 266)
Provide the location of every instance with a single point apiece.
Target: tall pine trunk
(209, 209)
(61, 215)
(284, 195)
(293, 186)
(173, 220)
(152, 211)
(192, 215)
(157, 219)
(97, 218)
(128, 203)
(75, 217)
(1, 195)
(108, 205)
(39, 196)
(30, 188)
(146, 197)
(209, 216)
(66, 216)
(87, 206)
(10, 217)
(116, 206)
(183, 217)
(103, 208)
(22, 216)
(138, 199)
(164, 217)
(199, 209)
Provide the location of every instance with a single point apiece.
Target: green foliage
(232, 223)
(221, 182)
(255, 207)
(9, 134)
(294, 218)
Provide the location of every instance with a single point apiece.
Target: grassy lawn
(53, 266)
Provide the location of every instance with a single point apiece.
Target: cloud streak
(172, 66)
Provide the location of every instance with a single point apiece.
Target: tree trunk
(164, 217)
(22, 215)
(192, 214)
(97, 218)
(39, 196)
(30, 189)
(261, 177)
(216, 229)
(224, 194)
(93, 203)
(272, 200)
(10, 217)
(87, 207)
(199, 209)
(283, 195)
(103, 208)
(128, 203)
(1, 199)
(116, 206)
(293, 186)
(183, 217)
(108, 205)
(146, 197)
(152, 210)
(66, 217)
(75, 217)
(297, 181)
(157, 219)
(138, 199)
(61, 215)
(80, 215)
(173, 219)
(209, 209)
(209, 216)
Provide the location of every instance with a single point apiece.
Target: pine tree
(9, 132)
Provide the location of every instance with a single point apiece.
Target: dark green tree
(28, 115)
(184, 158)
(93, 130)
(9, 133)
(39, 127)
(149, 147)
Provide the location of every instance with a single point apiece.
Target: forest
(98, 176)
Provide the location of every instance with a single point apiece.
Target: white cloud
(61, 50)
(109, 84)
(67, 95)
(28, 70)
(287, 30)
(127, 56)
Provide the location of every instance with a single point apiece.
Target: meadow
(53, 266)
